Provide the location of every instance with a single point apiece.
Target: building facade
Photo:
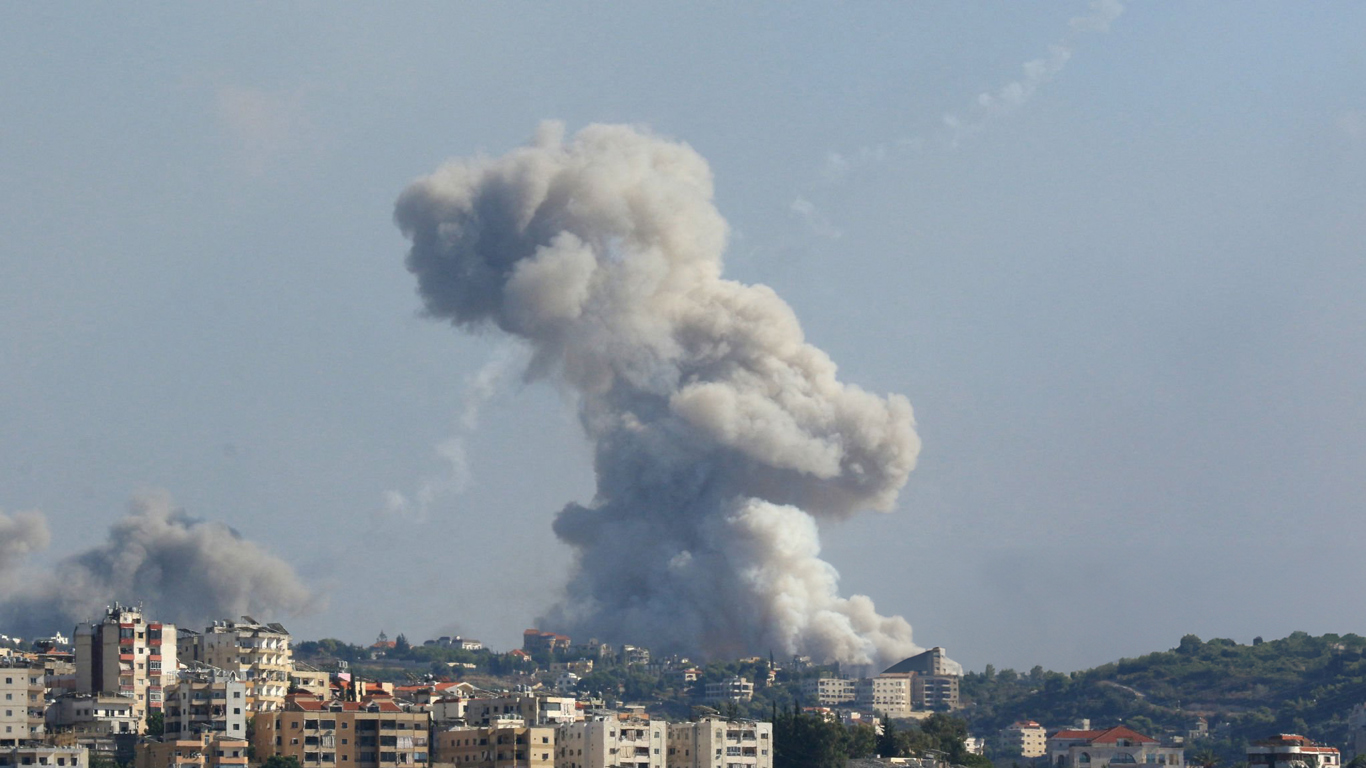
(731, 689)
(718, 743)
(511, 743)
(205, 700)
(204, 751)
(536, 710)
(344, 734)
(22, 702)
(103, 714)
(258, 653)
(43, 754)
(127, 655)
(618, 740)
(829, 691)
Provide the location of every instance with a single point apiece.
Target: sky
(1114, 260)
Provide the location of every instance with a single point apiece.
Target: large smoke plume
(184, 570)
(720, 435)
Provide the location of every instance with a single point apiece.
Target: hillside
(1300, 684)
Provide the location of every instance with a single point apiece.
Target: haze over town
(1109, 255)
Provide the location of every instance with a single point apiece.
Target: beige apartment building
(828, 691)
(1026, 737)
(717, 743)
(92, 715)
(511, 743)
(127, 655)
(624, 740)
(22, 703)
(343, 734)
(258, 653)
(889, 695)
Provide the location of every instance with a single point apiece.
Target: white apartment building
(731, 689)
(828, 691)
(258, 653)
(22, 705)
(126, 655)
(627, 741)
(718, 743)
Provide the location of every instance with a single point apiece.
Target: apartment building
(828, 691)
(718, 743)
(44, 754)
(207, 750)
(934, 679)
(1118, 746)
(617, 740)
(735, 689)
(509, 743)
(889, 694)
(1025, 737)
(128, 655)
(343, 734)
(536, 710)
(205, 700)
(260, 655)
(1290, 750)
(22, 702)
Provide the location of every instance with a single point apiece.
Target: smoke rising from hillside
(185, 571)
(720, 435)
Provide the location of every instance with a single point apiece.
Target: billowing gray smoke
(719, 434)
(184, 571)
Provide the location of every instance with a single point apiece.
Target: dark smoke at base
(720, 435)
(183, 570)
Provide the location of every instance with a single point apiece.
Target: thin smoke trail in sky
(987, 107)
(454, 476)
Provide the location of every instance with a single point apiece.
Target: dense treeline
(807, 740)
(1299, 684)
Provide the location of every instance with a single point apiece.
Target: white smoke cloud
(185, 571)
(719, 433)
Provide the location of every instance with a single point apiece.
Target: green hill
(1300, 684)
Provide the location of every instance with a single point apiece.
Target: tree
(280, 761)
(401, 645)
(1205, 758)
(156, 723)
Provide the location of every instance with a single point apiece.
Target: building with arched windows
(1117, 746)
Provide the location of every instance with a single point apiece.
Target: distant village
(129, 690)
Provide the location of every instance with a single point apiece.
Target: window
(1085, 758)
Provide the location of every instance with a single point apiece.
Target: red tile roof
(1105, 736)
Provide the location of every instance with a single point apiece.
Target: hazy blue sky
(1128, 309)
